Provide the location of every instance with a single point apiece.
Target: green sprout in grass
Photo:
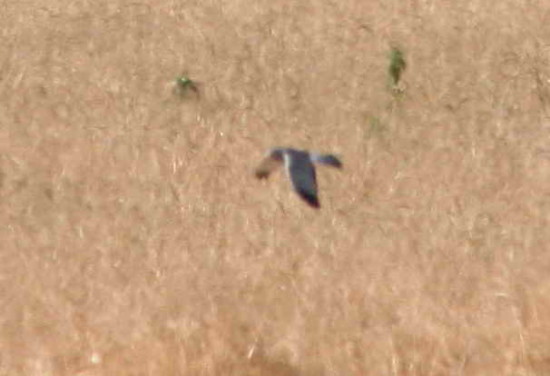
(184, 85)
(397, 66)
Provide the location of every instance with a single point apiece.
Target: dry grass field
(135, 239)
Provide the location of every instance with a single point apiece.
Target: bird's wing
(326, 159)
(266, 167)
(302, 175)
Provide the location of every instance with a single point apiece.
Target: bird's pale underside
(300, 168)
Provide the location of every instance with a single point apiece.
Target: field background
(136, 241)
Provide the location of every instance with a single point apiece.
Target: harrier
(299, 165)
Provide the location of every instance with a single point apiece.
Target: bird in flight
(300, 168)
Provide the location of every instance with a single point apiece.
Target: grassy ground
(136, 241)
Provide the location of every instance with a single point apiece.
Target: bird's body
(300, 168)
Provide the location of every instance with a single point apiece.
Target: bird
(300, 168)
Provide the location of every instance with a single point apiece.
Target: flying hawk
(299, 165)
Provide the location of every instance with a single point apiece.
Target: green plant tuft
(184, 85)
(396, 67)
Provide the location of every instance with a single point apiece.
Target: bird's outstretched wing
(267, 166)
(302, 175)
(326, 159)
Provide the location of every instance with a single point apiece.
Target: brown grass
(135, 240)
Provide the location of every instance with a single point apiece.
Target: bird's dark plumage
(300, 168)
